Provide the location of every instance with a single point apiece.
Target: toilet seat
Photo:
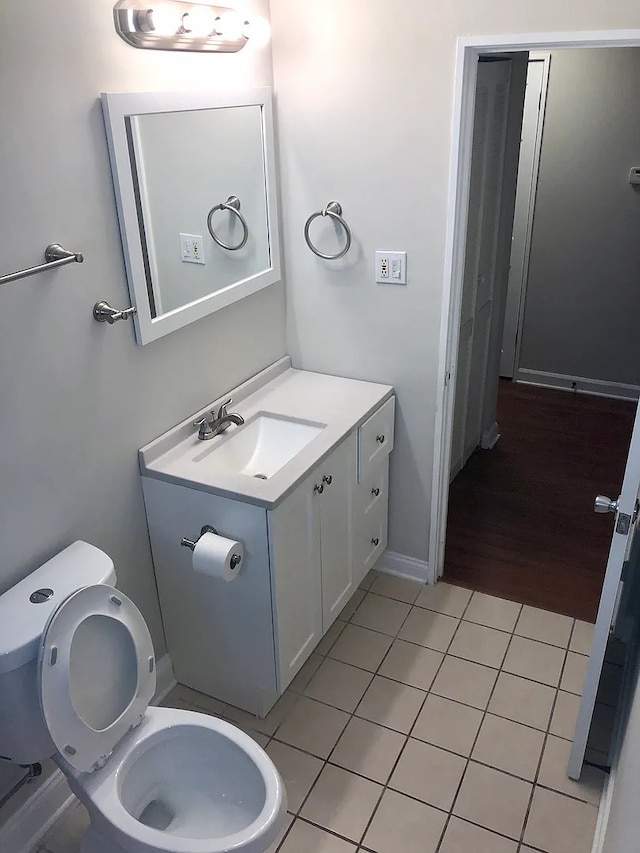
(96, 674)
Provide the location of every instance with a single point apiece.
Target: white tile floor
(429, 719)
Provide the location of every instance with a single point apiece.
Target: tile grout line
(325, 761)
(544, 747)
(408, 735)
(351, 716)
(548, 735)
(385, 786)
(475, 740)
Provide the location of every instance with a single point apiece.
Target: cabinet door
(337, 476)
(220, 635)
(294, 544)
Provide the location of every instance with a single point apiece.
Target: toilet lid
(97, 673)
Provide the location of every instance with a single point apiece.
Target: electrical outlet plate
(391, 267)
(192, 248)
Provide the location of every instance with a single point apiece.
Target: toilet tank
(24, 612)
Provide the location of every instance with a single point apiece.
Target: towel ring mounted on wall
(232, 204)
(334, 210)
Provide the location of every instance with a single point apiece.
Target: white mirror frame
(118, 106)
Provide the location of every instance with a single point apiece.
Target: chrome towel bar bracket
(104, 313)
(54, 256)
(232, 204)
(334, 210)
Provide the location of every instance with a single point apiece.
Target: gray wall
(583, 295)
(78, 399)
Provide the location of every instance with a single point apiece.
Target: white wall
(77, 399)
(583, 299)
(364, 104)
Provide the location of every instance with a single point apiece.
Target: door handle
(604, 504)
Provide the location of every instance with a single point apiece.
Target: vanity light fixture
(180, 25)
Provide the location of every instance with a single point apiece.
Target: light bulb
(164, 21)
(229, 25)
(199, 22)
(258, 30)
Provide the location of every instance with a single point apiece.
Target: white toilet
(77, 673)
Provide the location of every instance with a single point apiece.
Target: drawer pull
(319, 489)
(375, 542)
(375, 492)
(328, 480)
(380, 439)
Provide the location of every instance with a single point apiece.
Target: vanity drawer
(372, 489)
(371, 540)
(375, 438)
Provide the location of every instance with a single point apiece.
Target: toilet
(77, 673)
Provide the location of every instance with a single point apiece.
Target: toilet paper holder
(190, 543)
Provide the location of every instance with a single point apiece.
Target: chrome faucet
(208, 427)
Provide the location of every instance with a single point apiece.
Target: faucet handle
(222, 411)
(204, 427)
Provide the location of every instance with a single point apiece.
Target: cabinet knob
(319, 489)
(380, 439)
(327, 479)
(375, 492)
(375, 542)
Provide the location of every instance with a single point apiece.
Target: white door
(482, 249)
(530, 145)
(626, 509)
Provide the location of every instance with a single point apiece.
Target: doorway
(520, 522)
(625, 509)
(453, 344)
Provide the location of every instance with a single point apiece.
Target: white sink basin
(260, 448)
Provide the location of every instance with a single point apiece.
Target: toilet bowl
(152, 779)
(182, 782)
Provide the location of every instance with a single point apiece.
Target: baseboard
(392, 563)
(25, 828)
(579, 384)
(489, 437)
(165, 679)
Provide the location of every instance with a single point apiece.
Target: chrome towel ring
(232, 204)
(334, 210)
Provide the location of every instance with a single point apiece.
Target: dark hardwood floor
(521, 523)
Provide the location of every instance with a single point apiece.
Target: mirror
(194, 179)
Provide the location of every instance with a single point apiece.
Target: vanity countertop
(280, 390)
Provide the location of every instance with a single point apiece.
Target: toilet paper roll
(218, 557)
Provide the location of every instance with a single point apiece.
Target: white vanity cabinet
(310, 545)
(311, 531)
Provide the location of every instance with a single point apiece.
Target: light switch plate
(391, 267)
(192, 248)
